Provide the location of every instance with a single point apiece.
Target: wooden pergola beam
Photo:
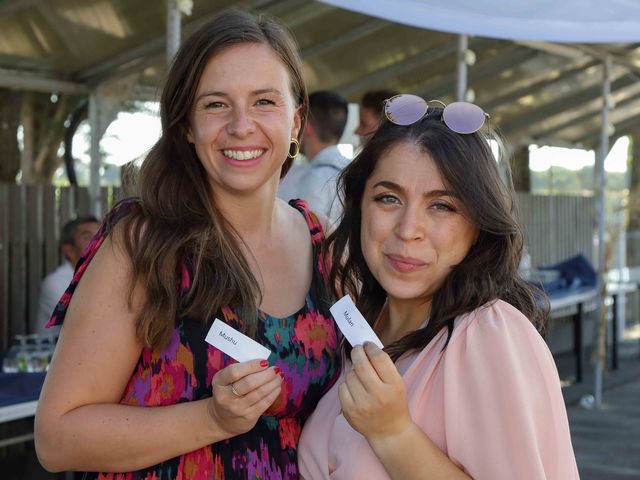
(509, 57)
(53, 21)
(11, 6)
(624, 120)
(556, 105)
(300, 12)
(561, 50)
(25, 80)
(600, 53)
(589, 111)
(378, 77)
(364, 30)
(579, 51)
(574, 69)
(139, 57)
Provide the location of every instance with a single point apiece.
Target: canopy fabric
(566, 21)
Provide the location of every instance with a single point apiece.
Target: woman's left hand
(374, 397)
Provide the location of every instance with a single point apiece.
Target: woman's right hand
(256, 388)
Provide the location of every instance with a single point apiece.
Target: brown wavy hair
(176, 219)
(490, 269)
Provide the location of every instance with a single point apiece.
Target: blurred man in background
(317, 182)
(74, 237)
(371, 107)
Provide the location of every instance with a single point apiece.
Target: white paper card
(234, 343)
(352, 324)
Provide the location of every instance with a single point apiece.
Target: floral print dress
(303, 345)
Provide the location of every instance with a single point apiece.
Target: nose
(240, 123)
(411, 224)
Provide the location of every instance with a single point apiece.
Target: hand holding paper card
(234, 343)
(352, 324)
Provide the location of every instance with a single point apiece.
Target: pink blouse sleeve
(505, 416)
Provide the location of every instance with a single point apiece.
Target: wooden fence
(557, 227)
(30, 221)
(31, 217)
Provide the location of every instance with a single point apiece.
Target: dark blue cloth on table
(551, 287)
(20, 387)
(575, 272)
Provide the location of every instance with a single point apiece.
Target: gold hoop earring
(296, 143)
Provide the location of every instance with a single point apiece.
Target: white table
(17, 411)
(575, 303)
(19, 393)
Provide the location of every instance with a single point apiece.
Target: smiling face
(413, 229)
(243, 118)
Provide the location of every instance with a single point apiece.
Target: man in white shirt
(288, 187)
(325, 126)
(74, 238)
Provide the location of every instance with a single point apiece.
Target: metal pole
(173, 30)
(600, 187)
(27, 156)
(94, 152)
(461, 85)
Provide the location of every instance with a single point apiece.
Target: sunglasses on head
(461, 117)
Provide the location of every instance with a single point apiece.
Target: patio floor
(606, 440)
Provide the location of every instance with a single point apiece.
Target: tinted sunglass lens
(405, 109)
(463, 117)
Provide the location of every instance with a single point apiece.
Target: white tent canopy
(567, 21)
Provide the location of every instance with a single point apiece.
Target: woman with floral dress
(133, 390)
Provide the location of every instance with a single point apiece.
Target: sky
(542, 158)
(128, 137)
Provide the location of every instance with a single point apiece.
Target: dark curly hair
(490, 269)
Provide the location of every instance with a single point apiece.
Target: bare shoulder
(322, 219)
(293, 220)
(98, 346)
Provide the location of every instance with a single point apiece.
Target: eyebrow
(261, 91)
(431, 193)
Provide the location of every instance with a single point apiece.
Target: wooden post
(599, 193)
(173, 30)
(461, 73)
(34, 254)
(520, 171)
(18, 257)
(27, 154)
(4, 267)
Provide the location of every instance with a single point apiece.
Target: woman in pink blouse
(429, 248)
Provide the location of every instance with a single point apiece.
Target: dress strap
(316, 230)
(314, 224)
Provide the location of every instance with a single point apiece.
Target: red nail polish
(276, 369)
(282, 375)
(264, 363)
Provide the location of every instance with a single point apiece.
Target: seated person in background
(133, 387)
(74, 237)
(371, 106)
(317, 184)
(428, 248)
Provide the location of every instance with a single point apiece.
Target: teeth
(242, 154)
